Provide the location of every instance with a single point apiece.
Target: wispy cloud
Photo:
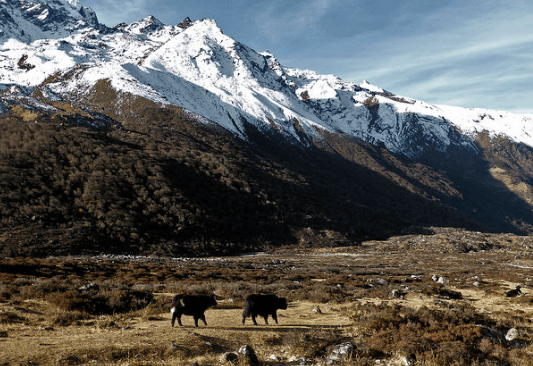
(112, 12)
(470, 63)
(280, 20)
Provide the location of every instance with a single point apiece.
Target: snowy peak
(365, 84)
(185, 23)
(196, 66)
(29, 20)
(150, 24)
(199, 53)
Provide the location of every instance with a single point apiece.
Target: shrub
(6, 292)
(451, 336)
(101, 301)
(11, 318)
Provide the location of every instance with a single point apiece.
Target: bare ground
(50, 345)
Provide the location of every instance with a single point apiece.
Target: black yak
(263, 305)
(194, 305)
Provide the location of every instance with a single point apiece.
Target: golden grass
(462, 321)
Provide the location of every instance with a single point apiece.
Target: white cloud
(467, 64)
(280, 20)
(112, 12)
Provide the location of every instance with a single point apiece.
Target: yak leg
(275, 317)
(173, 319)
(253, 318)
(176, 315)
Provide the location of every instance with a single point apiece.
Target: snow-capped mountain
(196, 66)
(27, 21)
(198, 138)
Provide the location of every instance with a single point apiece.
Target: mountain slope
(199, 68)
(124, 135)
(155, 181)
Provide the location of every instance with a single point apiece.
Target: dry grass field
(436, 299)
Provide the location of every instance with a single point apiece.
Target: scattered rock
(370, 283)
(399, 361)
(398, 294)
(244, 356)
(173, 347)
(317, 310)
(511, 335)
(88, 287)
(439, 279)
(382, 282)
(301, 360)
(229, 357)
(3, 334)
(248, 355)
(340, 353)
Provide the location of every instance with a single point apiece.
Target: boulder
(247, 354)
(340, 353)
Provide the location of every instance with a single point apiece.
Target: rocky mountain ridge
(28, 21)
(197, 67)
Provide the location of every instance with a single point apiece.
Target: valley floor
(419, 305)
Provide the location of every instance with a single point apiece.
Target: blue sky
(468, 53)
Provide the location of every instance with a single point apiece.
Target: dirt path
(224, 333)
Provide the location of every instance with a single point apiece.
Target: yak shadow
(285, 328)
(212, 344)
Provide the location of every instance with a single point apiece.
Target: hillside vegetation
(132, 176)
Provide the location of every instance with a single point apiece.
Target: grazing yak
(194, 305)
(263, 305)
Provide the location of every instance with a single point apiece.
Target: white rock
(512, 334)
